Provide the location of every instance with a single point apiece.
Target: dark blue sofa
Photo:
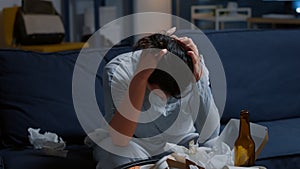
(262, 73)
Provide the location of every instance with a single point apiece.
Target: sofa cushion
(78, 157)
(283, 138)
(262, 72)
(286, 162)
(36, 91)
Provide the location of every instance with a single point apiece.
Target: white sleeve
(207, 123)
(116, 81)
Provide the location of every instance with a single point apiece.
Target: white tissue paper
(208, 158)
(218, 157)
(221, 155)
(49, 142)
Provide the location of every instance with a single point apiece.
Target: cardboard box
(230, 133)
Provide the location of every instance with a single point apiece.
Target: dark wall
(260, 7)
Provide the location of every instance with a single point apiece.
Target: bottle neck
(244, 125)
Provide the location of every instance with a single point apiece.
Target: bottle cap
(244, 112)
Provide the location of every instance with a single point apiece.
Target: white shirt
(162, 121)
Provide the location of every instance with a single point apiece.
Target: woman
(157, 94)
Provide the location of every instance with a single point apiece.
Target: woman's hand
(192, 51)
(148, 61)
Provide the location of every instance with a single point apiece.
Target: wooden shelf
(54, 47)
(219, 15)
(252, 22)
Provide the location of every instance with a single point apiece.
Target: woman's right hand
(148, 61)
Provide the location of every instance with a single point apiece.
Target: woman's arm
(125, 119)
(208, 120)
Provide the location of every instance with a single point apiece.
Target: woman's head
(163, 79)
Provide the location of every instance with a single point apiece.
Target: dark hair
(159, 77)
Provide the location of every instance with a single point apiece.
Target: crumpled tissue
(49, 142)
(220, 156)
(209, 158)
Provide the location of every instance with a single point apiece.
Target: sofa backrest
(261, 67)
(262, 72)
(36, 91)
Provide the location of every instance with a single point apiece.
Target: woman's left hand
(192, 51)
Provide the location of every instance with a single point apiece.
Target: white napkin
(208, 158)
(49, 142)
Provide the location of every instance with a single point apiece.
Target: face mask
(157, 104)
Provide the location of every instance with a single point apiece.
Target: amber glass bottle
(244, 146)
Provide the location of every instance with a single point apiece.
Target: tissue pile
(209, 158)
(220, 156)
(49, 142)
